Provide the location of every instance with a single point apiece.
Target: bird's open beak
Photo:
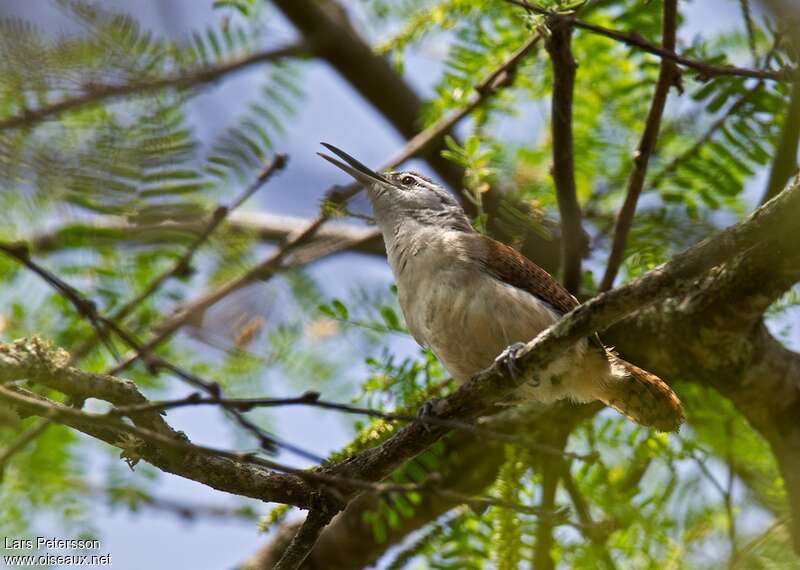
(354, 168)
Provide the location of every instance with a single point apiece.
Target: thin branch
(746, 98)
(596, 532)
(183, 264)
(335, 40)
(312, 399)
(784, 164)
(667, 77)
(704, 70)
(278, 488)
(21, 442)
(718, 124)
(496, 80)
(747, 16)
(573, 243)
(552, 468)
(98, 93)
(219, 215)
(304, 540)
(728, 496)
(770, 223)
(264, 226)
(87, 310)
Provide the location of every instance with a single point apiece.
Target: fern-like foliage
(507, 539)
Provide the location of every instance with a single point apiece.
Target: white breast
(466, 316)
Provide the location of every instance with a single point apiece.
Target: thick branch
(659, 338)
(773, 221)
(469, 466)
(38, 362)
(667, 77)
(230, 472)
(573, 243)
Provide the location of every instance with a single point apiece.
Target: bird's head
(398, 197)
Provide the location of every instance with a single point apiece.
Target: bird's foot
(508, 359)
(427, 411)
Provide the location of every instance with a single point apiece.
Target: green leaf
(340, 310)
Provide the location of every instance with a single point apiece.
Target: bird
(473, 301)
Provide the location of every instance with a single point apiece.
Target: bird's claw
(508, 359)
(427, 410)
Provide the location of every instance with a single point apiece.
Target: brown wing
(510, 266)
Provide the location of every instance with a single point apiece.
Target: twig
(728, 496)
(692, 151)
(595, 532)
(96, 93)
(667, 77)
(747, 16)
(84, 307)
(551, 475)
(784, 165)
(321, 480)
(705, 70)
(497, 79)
(21, 442)
(760, 539)
(573, 241)
(773, 221)
(183, 264)
(304, 540)
(87, 309)
(312, 399)
(184, 510)
(745, 99)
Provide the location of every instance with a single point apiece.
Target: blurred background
(109, 195)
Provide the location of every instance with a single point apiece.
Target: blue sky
(331, 112)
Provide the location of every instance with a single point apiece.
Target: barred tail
(643, 397)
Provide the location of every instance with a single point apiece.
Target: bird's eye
(408, 180)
